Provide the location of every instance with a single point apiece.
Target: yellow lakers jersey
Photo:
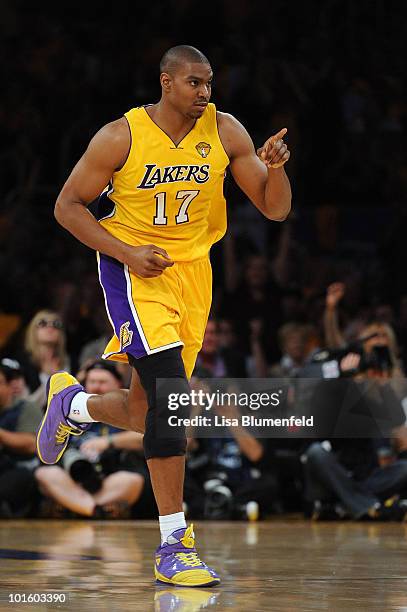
(170, 195)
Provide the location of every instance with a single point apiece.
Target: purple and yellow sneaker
(55, 429)
(177, 562)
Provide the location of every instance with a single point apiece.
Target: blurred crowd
(103, 473)
(333, 74)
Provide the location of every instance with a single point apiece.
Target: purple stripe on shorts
(113, 280)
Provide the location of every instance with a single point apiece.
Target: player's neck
(171, 121)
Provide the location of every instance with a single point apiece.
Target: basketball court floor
(279, 565)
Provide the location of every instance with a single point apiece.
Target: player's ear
(165, 81)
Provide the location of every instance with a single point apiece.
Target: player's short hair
(181, 54)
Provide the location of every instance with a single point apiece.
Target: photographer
(18, 422)
(104, 476)
(361, 478)
(381, 333)
(229, 477)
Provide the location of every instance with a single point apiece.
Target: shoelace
(63, 432)
(190, 559)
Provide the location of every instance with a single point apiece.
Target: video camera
(378, 359)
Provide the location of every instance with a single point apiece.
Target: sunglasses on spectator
(56, 323)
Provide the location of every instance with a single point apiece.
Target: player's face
(191, 88)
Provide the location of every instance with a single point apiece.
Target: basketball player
(165, 165)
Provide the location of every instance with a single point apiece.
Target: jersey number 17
(182, 215)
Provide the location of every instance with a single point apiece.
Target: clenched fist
(334, 294)
(148, 260)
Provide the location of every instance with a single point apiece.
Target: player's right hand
(148, 260)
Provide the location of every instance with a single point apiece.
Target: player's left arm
(260, 175)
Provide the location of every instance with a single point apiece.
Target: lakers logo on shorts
(203, 149)
(126, 335)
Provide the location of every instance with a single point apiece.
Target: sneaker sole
(160, 579)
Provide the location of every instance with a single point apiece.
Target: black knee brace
(161, 440)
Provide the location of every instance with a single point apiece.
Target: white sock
(170, 523)
(79, 411)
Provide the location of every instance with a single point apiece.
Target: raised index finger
(269, 144)
(279, 135)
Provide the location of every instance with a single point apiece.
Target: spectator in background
(297, 344)
(385, 313)
(229, 476)
(333, 336)
(18, 383)
(216, 360)
(342, 483)
(402, 328)
(382, 333)
(257, 297)
(94, 349)
(45, 352)
(18, 422)
(103, 476)
(349, 477)
(227, 335)
(293, 306)
(256, 361)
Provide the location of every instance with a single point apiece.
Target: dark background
(332, 72)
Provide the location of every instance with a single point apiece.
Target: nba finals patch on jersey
(203, 149)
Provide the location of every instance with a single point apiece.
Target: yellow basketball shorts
(149, 315)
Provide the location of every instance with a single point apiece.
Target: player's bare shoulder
(114, 141)
(233, 134)
(117, 131)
